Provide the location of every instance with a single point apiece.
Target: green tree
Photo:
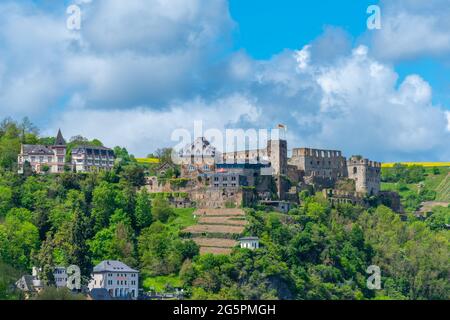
(18, 238)
(143, 211)
(6, 200)
(103, 205)
(161, 210)
(79, 233)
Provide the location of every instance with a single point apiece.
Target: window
(355, 170)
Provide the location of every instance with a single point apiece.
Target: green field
(159, 284)
(183, 218)
(443, 190)
(435, 186)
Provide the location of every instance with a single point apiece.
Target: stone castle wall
(222, 198)
(319, 163)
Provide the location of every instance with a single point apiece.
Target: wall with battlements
(321, 168)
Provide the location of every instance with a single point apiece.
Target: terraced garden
(217, 229)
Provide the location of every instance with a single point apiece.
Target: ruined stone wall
(275, 153)
(336, 197)
(319, 163)
(221, 198)
(246, 156)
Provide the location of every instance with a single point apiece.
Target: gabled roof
(166, 165)
(200, 147)
(100, 294)
(37, 150)
(112, 266)
(28, 283)
(59, 139)
(249, 239)
(83, 148)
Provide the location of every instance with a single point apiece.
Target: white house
(40, 156)
(60, 275)
(91, 158)
(251, 243)
(121, 281)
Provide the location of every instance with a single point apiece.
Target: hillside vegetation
(417, 184)
(314, 252)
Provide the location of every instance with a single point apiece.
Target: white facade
(117, 278)
(60, 275)
(90, 158)
(251, 243)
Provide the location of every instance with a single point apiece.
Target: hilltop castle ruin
(216, 180)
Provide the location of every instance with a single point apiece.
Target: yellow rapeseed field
(424, 164)
(147, 160)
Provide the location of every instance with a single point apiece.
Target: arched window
(355, 170)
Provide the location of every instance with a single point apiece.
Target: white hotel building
(121, 281)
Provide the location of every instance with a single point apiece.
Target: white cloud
(127, 53)
(140, 69)
(412, 28)
(143, 130)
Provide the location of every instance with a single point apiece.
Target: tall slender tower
(59, 151)
(277, 150)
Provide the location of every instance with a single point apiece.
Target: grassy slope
(439, 183)
(443, 190)
(183, 218)
(159, 283)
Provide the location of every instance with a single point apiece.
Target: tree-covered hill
(314, 252)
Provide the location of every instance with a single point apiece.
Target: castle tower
(277, 150)
(59, 151)
(365, 173)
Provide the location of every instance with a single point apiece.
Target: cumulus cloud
(127, 53)
(412, 28)
(356, 104)
(143, 130)
(137, 70)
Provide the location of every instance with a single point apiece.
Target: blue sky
(138, 70)
(266, 27)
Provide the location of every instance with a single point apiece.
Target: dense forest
(314, 252)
